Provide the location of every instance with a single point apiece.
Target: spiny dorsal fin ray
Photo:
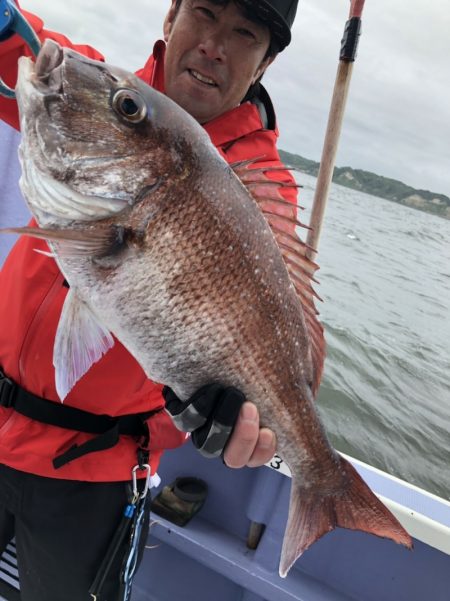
(281, 216)
(241, 167)
(250, 183)
(293, 258)
(280, 202)
(285, 218)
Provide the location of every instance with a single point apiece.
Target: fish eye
(129, 105)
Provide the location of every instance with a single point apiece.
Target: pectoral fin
(80, 341)
(97, 243)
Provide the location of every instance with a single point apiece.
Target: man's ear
(262, 67)
(168, 21)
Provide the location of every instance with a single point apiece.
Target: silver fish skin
(164, 246)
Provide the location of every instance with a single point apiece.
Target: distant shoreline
(376, 185)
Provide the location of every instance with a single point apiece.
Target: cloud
(397, 120)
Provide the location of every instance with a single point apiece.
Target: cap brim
(275, 22)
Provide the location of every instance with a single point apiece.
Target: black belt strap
(107, 428)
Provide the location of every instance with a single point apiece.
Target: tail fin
(354, 506)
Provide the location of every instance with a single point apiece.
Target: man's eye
(206, 12)
(246, 33)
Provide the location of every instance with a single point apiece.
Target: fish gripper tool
(12, 21)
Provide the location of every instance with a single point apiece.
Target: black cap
(279, 16)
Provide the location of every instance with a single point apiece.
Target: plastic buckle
(7, 390)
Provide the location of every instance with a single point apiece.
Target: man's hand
(249, 444)
(222, 423)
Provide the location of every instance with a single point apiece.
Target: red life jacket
(31, 299)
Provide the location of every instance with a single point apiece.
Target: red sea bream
(165, 247)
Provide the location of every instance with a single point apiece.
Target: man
(61, 485)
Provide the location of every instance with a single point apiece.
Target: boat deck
(209, 559)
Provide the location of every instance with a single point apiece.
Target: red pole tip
(356, 8)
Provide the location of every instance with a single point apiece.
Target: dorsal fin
(281, 216)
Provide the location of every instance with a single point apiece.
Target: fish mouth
(44, 77)
(48, 68)
(40, 81)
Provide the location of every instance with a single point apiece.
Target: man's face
(213, 56)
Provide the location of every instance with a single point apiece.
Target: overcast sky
(397, 121)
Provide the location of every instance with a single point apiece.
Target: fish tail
(314, 513)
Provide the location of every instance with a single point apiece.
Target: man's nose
(213, 46)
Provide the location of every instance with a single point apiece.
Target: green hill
(377, 185)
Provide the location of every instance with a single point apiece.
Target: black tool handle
(114, 547)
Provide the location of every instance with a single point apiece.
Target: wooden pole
(335, 118)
